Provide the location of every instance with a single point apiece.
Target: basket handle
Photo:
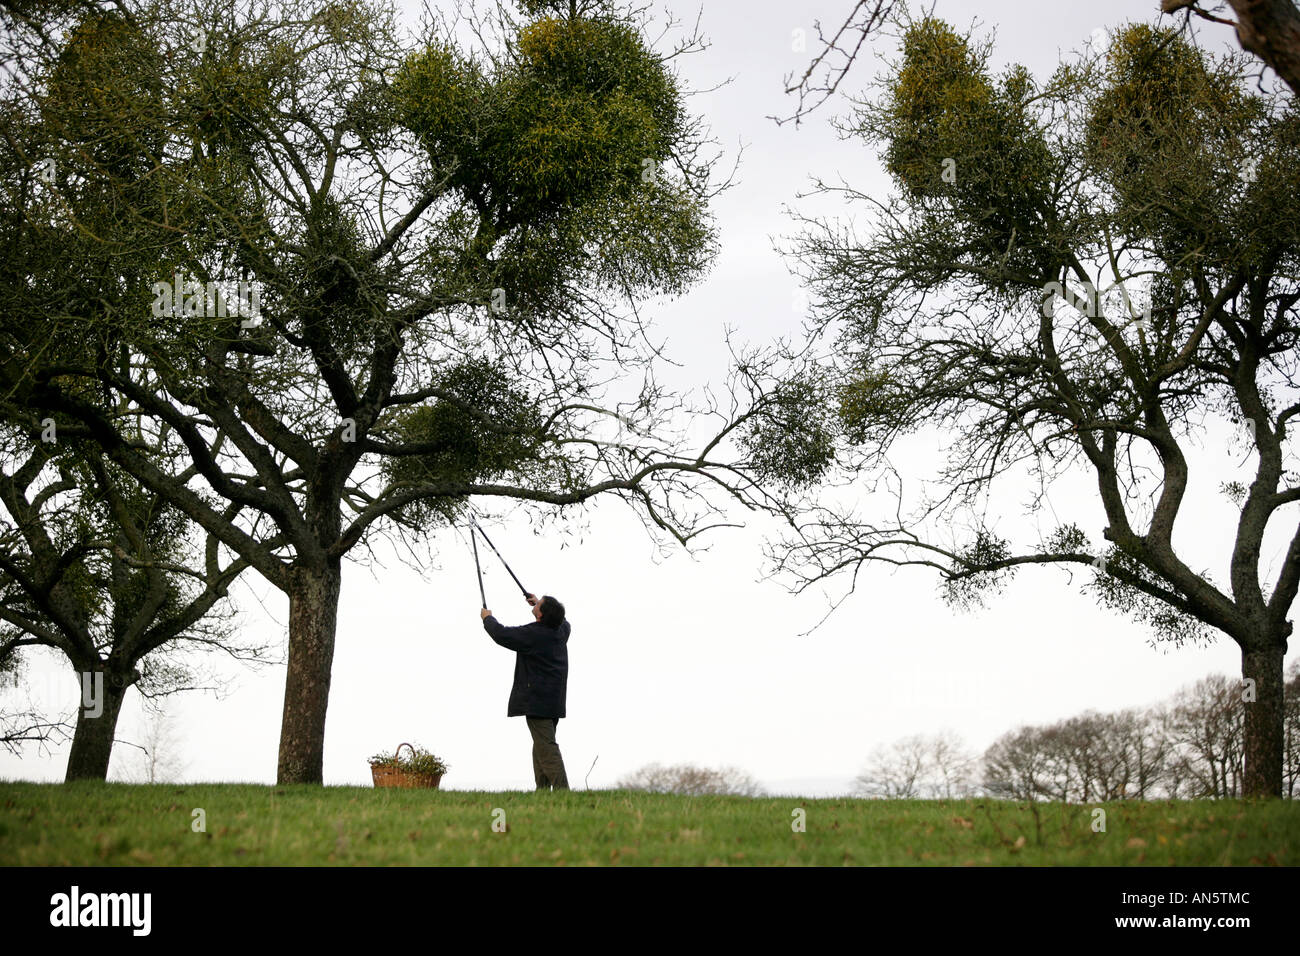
(399, 750)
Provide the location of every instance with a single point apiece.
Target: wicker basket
(387, 775)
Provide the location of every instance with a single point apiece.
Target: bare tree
(691, 780)
(1087, 758)
(918, 767)
(1148, 751)
(894, 771)
(160, 758)
(1206, 726)
(953, 768)
(1062, 776)
(1015, 765)
(1114, 756)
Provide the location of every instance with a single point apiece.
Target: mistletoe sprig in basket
(420, 769)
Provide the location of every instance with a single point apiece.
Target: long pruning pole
(481, 593)
(523, 589)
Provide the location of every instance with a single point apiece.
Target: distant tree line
(1188, 747)
(690, 780)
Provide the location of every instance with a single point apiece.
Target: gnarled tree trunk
(313, 614)
(92, 741)
(1263, 729)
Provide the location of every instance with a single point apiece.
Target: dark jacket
(541, 666)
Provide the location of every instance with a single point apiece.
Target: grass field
(91, 824)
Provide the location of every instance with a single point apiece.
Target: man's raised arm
(515, 638)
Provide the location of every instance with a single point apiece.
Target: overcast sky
(696, 659)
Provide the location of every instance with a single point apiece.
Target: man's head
(549, 611)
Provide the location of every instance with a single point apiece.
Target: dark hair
(552, 611)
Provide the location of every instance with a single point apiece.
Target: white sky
(694, 659)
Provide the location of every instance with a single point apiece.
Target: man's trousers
(548, 765)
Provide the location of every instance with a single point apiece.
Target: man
(541, 677)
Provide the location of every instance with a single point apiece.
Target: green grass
(92, 824)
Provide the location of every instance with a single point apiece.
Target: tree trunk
(313, 614)
(1263, 730)
(92, 741)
